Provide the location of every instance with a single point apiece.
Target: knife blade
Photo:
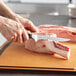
(38, 37)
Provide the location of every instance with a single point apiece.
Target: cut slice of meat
(60, 31)
(50, 47)
(47, 46)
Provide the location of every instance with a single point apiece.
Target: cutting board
(17, 57)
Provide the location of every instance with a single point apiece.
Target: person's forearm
(5, 11)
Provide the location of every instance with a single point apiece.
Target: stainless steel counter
(39, 13)
(49, 19)
(39, 19)
(39, 8)
(44, 13)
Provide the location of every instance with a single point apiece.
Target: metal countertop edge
(17, 67)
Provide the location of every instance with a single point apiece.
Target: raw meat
(60, 31)
(47, 46)
(50, 47)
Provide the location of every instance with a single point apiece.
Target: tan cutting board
(17, 57)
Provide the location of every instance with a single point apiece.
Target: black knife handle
(30, 35)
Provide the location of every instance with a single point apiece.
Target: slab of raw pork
(48, 46)
(60, 31)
